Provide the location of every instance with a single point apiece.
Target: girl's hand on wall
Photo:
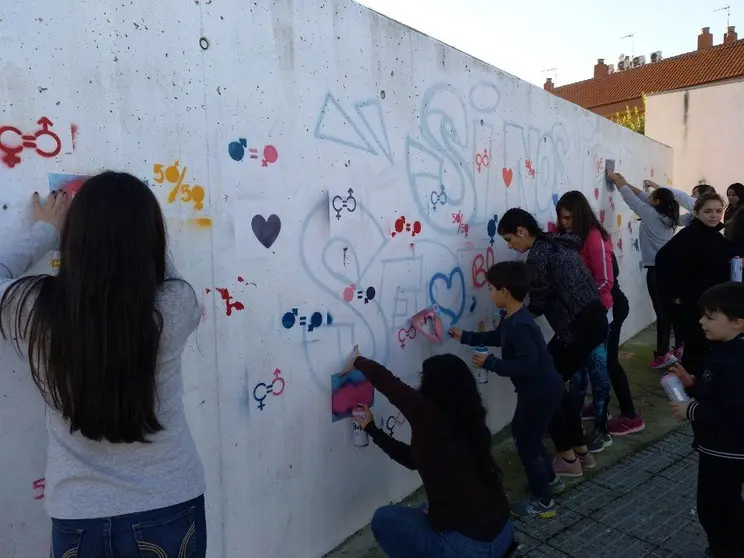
(650, 184)
(617, 178)
(366, 419)
(350, 366)
(455, 333)
(54, 211)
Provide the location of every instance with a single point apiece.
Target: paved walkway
(642, 506)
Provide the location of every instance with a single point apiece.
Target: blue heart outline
(448, 280)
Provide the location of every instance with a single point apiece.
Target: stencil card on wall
(258, 228)
(344, 209)
(69, 183)
(348, 391)
(428, 323)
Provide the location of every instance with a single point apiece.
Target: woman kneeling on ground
(468, 513)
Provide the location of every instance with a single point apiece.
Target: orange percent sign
(189, 194)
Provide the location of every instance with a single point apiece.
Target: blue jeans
(405, 533)
(178, 531)
(596, 371)
(529, 426)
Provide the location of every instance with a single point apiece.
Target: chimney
(730, 36)
(705, 39)
(600, 68)
(549, 86)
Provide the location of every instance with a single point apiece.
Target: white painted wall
(349, 99)
(702, 126)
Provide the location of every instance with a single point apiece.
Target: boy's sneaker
(567, 469)
(555, 486)
(533, 508)
(587, 413)
(622, 425)
(587, 460)
(678, 351)
(661, 362)
(598, 441)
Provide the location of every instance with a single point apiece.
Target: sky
(528, 37)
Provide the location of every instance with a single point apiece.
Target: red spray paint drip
(229, 306)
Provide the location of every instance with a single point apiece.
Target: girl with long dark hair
(104, 339)
(562, 289)
(468, 513)
(576, 216)
(735, 198)
(696, 259)
(659, 214)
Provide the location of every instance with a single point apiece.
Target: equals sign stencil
(303, 320)
(254, 155)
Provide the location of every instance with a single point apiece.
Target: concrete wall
(276, 108)
(702, 126)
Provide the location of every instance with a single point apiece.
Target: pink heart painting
(347, 391)
(596, 193)
(420, 321)
(601, 216)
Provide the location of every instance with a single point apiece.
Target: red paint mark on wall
(13, 142)
(481, 264)
(270, 155)
(530, 168)
(39, 485)
(507, 175)
(74, 133)
(401, 225)
(229, 306)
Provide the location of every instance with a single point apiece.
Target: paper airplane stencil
(433, 331)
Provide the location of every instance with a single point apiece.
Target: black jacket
(695, 259)
(717, 412)
(561, 286)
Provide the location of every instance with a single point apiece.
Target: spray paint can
(674, 389)
(736, 269)
(359, 436)
(481, 374)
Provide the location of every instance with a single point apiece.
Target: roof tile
(721, 62)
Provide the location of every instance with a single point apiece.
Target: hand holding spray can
(674, 389)
(481, 374)
(359, 436)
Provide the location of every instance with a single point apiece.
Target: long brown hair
(93, 330)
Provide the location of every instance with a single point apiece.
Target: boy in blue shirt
(525, 360)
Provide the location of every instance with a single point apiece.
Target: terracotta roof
(686, 70)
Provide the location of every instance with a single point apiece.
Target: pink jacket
(597, 257)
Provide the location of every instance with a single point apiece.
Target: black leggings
(693, 337)
(589, 331)
(618, 378)
(664, 315)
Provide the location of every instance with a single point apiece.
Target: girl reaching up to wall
(562, 289)
(576, 216)
(659, 214)
(468, 512)
(104, 340)
(685, 200)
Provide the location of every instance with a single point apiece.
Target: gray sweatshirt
(87, 479)
(655, 230)
(686, 201)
